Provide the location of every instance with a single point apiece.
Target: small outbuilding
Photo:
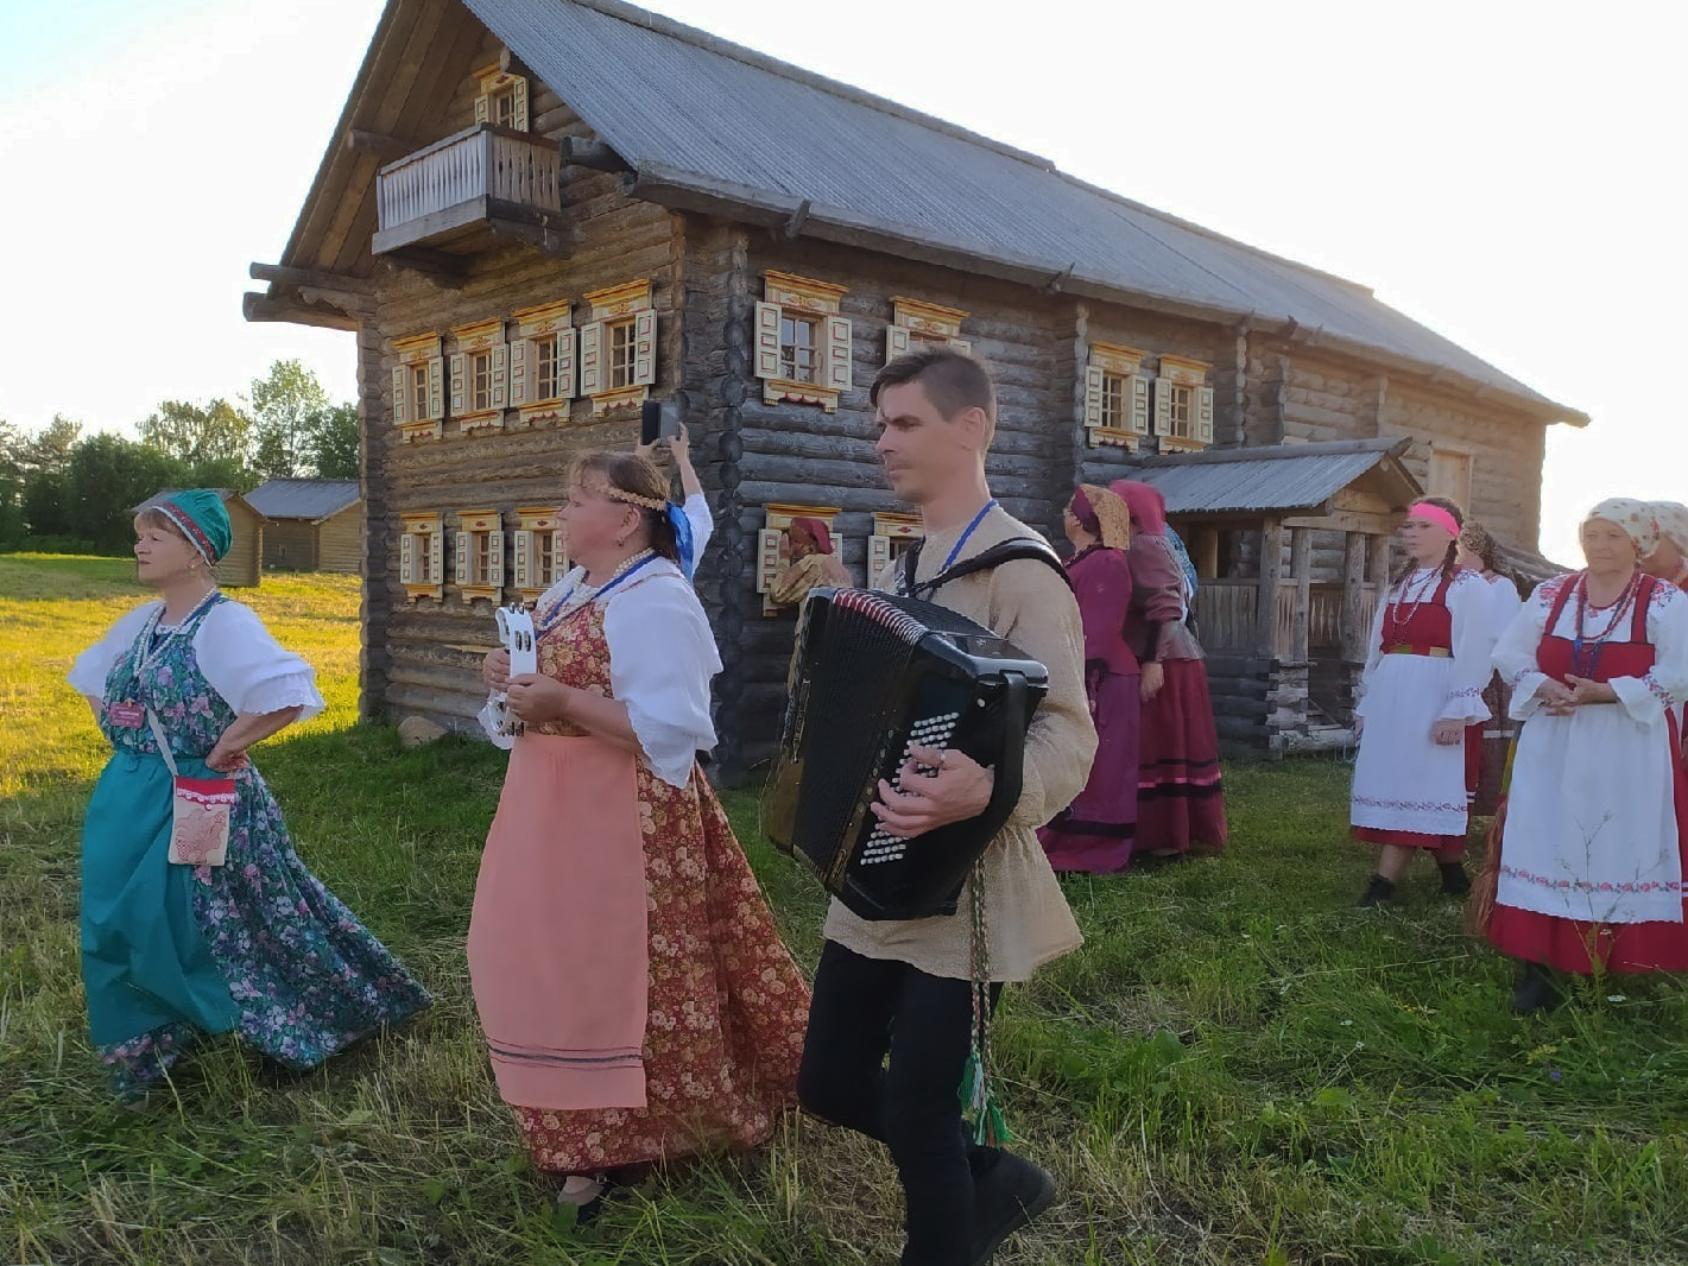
(313, 524)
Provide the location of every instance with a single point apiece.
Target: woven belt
(1434, 652)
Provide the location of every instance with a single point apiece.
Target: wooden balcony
(477, 184)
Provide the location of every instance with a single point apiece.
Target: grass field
(1239, 1066)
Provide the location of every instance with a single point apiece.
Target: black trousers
(864, 1009)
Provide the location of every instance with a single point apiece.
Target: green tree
(13, 525)
(334, 442)
(285, 404)
(195, 433)
(45, 462)
(107, 477)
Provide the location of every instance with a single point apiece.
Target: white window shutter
(482, 108)
(401, 380)
(519, 372)
(644, 348)
(407, 558)
(767, 340)
(1163, 407)
(1204, 415)
(436, 390)
(559, 559)
(436, 558)
(1094, 384)
(1139, 386)
(592, 359)
(500, 376)
(961, 345)
(840, 353)
(519, 90)
(896, 342)
(459, 385)
(878, 558)
(521, 554)
(495, 559)
(465, 557)
(565, 364)
(767, 557)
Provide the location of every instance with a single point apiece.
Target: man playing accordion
(921, 990)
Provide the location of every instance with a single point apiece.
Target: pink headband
(1435, 514)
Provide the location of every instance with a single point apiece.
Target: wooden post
(1301, 568)
(1271, 572)
(1354, 598)
(1378, 565)
(1207, 552)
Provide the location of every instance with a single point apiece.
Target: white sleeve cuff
(1526, 699)
(1640, 697)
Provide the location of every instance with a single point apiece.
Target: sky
(1510, 174)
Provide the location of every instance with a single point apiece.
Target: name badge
(126, 716)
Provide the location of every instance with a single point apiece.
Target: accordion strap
(1008, 551)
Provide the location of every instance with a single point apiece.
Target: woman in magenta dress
(1095, 833)
(1180, 798)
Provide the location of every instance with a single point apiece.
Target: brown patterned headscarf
(1104, 515)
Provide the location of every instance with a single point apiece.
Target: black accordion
(871, 676)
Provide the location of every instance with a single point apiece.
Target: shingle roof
(711, 125)
(312, 499)
(1278, 478)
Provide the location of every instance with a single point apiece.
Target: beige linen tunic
(1028, 918)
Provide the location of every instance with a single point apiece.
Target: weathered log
(259, 307)
(386, 148)
(590, 153)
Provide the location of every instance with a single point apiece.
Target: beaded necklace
(1396, 621)
(156, 635)
(562, 610)
(1584, 665)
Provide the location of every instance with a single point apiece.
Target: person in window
(1421, 687)
(635, 995)
(812, 563)
(1485, 756)
(1095, 833)
(1180, 795)
(256, 945)
(1588, 875)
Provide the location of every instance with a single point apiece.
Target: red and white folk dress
(637, 1001)
(1429, 662)
(1591, 860)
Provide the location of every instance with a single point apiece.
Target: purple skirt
(1096, 832)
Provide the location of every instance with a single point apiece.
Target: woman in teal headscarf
(256, 945)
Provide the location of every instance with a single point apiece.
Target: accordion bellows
(871, 677)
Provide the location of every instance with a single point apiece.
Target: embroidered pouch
(199, 810)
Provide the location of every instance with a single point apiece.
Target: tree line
(61, 489)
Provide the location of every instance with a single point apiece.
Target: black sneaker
(1455, 882)
(1378, 891)
(1535, 990)
(1006, 1198)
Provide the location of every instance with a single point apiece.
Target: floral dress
(257, 945)
(708, 1036)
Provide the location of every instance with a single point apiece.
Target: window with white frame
(503, 99)
(542, 358)
(537, 552)
(1116, 396)
(1183, 404)
(421, 555)
(480, 376)
(804, 346)
(618, 348)
(479, 554)
(418, 388)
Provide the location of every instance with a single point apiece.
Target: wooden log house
(312, 524)
(536, 214)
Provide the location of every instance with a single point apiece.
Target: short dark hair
(953, 380)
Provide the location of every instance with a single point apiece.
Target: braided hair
(638, 476)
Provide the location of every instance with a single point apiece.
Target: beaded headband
(634, 499)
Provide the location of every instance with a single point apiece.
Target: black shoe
(1535, 990)
(1006, 1198)
(1455, 882)
(1378, 891)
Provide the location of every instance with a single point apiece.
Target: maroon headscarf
(1085, 513)
(1147, 506)
(817, 532)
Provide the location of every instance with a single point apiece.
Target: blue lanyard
(545, 626)
(977, 519)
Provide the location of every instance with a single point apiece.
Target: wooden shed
(239, 567)
(313, 524)
(536, 214)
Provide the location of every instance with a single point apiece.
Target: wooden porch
(482, 182)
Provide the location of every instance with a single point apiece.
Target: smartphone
(659, 420)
